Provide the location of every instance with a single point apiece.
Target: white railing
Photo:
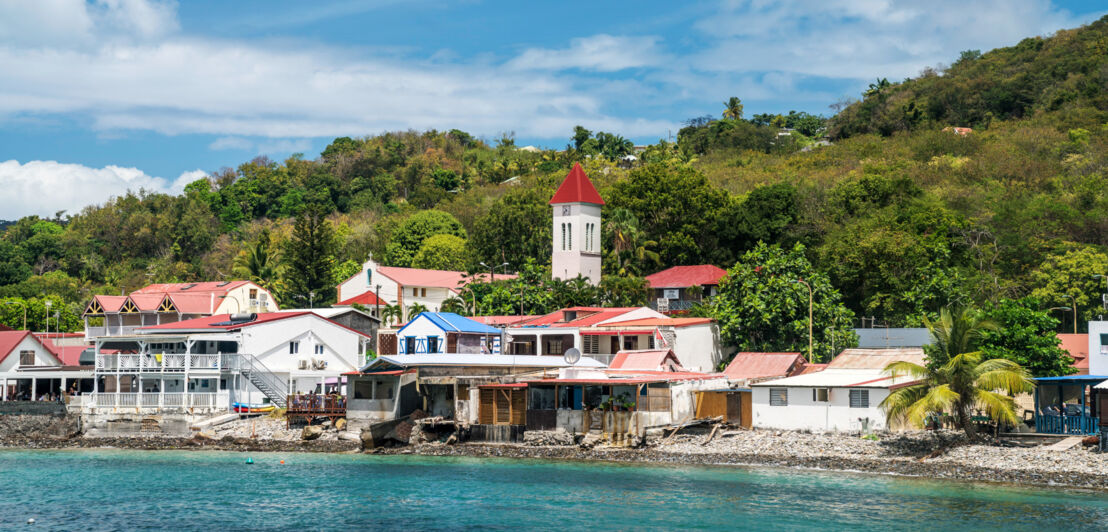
(173, 400)
(173, 363)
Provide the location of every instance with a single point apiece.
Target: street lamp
(1074, 313)
(311, 299)
(378, 294)
(492, 270)
(810, 298)
(24, 305)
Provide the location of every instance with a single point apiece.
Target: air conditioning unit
(303, 364)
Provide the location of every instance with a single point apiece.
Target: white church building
(576, 242)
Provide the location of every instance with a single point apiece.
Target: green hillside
(902, 216)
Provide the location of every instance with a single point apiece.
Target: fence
(174, 400)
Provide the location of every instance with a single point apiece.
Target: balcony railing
(1055, 424)
(169, 400)
(676, 305)
(111, 330)
(164, 363)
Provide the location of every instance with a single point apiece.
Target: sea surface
(199, 490)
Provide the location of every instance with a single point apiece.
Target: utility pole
(810, 301)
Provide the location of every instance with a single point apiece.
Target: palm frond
(997, 406)
(910, 369)
(1010, 381)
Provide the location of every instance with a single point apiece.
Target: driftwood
(712, 434)
(690, 423)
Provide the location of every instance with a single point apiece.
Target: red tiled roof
(147, 302)
(9, 340)
(1077, 345)
(646, 359)
(686, 276)
(111, 303)
(759, 365)
(587, 316)
(502, 320)
(219, 287)
(659, 322)
(211, 322)
(433, 278)
(365, 298)
(195, 303)
(576, 188)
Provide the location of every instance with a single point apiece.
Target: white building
(576, 230)
(377, 286)
(446, 332)
(170, 302)
(31, 367)
(1098, 348)
(206, 364)
(844, 397)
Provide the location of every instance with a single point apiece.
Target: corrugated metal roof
(646, 359)
(448, 321)
(876, 358)
(686, 276)
(760, 365)
(457, 359)
(658, 322)
(585, 316)
(877, 338)
(841, 378)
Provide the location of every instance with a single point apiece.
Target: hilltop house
(846, 396)
(680, 288)
(167, 303)
(377, 286)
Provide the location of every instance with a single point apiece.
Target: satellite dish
(572, 356)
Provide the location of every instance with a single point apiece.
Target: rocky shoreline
(943, 455)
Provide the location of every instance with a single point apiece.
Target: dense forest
(898, 212)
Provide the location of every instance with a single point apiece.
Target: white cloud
(271, 147)
(853, 39)
(604, 53)
(45, 187)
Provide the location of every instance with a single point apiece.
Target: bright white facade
(845, 397)
(208, 363)
(1098, 348)
(576, 249)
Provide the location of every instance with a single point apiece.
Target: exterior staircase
(276, 389)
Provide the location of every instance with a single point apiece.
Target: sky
(98, 97)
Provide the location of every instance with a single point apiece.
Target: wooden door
(734, 408)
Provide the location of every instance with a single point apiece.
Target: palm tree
(261, 264)
(630, 249)
(734, 108)
(957, 380)
(453, 304)
(415, 309)
(390, 314)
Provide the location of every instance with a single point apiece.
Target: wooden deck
(309, 406)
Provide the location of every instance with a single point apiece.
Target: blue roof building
(446, 332)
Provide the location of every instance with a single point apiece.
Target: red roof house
(1077, 345)
(746, 366)
(647, 360)
(686, 276)
(576, 188)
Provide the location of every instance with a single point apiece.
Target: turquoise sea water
(191, 490)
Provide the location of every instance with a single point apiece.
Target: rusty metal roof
(757, 365)
(876, 358)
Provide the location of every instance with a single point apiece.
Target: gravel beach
(909, 453)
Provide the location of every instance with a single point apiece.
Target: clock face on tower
(565, 210)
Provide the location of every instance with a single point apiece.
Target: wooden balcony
(308, 406)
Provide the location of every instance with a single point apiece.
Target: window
(591, 344)
(432, 344)
(363, 389)
(859, 398)
(368, 277)
(778, 397)
(542, 398)
(630, 343)
(319, 349)
(253, 293)
(569, 231)
(26, 358)
(415, 292)
(821, 395)
(294, 347)
(672, 293)
(409, 345)
(423, 292)
(563, 237)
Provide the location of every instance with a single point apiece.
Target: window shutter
(859, 398)
(778, 397)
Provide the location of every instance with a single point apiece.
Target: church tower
(576, 246)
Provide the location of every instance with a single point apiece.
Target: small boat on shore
(245, 408)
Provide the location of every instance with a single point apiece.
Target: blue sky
(104, 95)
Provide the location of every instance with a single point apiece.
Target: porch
(309, 406)
(1066, 405)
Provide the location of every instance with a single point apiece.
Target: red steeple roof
(577, 189)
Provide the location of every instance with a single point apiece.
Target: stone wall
(32, 408)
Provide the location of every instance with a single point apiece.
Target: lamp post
(810, 300)
(48, 304)
(24, 305)
(492, 270)
(311, 299)
(1058, 308)
(377, 293)
(1074, 299)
